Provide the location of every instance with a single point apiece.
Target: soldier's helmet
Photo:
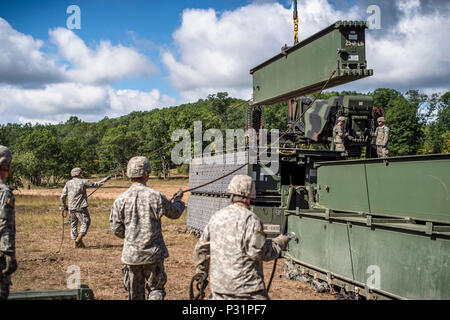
(381, 119)
(342, 118)
(75, 172)
(138, 167)
(5, 156)
(242, 185)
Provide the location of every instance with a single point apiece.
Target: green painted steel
(305, 67)
(399, 262)
(416, 187)
(83, 293)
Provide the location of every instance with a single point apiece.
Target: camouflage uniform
(136, 217)
(75, 191)
(232, 249)
(7, 228)
(339, 136)
(382, 134)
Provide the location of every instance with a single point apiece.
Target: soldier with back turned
(136, 217)
(233, 246)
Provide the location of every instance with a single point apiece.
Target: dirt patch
(41, 267)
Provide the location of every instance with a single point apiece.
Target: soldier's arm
(202, 252)
(116, 219)
(7, 224)
(64, 196)
(91, 184)
(375, 133)
(172, 210)
(257, 246)
(386, 136)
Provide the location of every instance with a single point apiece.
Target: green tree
(406, 129)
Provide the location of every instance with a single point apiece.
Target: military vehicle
(371, 228)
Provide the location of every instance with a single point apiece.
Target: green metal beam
(305, 67)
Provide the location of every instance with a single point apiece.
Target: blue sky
(138, 55)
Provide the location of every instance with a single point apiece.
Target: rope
(201, 286)
(62, 233)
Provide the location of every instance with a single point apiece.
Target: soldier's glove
(350, 138)
(178, 194)
(282, 240)
(10, 264)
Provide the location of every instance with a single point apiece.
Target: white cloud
(217, 52)
(22, 60)
(74, 80)
(57, 102)
(414, 53)
(104, 64)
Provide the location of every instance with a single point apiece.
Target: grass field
(42, 267)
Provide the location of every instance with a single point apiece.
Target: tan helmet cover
(138, 167)
(75, 172)
(381, 119)
(242, 185)
(5, 156)
(342, 118)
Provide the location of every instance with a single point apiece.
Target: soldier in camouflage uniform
(339, 135)
(382, 134)
(75, 191)
(8, 262)
(233, 246)
(136, 217)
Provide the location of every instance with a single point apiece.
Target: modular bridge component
(82, 293)
(380, 227)
(305, 67)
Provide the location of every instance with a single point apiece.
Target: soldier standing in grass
(75, 191)
(136, 217)
(8, 262)
(382, 134)
(233, 246)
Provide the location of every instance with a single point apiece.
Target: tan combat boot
(79, 241)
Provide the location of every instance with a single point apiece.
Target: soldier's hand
(282, 241)
(350, 138)
(65, 208)
(178, 194)
(10, 265)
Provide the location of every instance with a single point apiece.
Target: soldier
(75, 191)
(136, 217)
(233, 246)
(339, 135)
(382, 134)
(8, 262)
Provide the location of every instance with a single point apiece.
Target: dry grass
(41, 267)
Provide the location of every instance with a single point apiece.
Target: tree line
(45, 154)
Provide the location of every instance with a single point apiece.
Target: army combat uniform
(75, 191)
(136, 217)
(233, 247)
(382, 134)
(7, 235)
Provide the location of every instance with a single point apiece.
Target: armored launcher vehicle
(375, 228)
